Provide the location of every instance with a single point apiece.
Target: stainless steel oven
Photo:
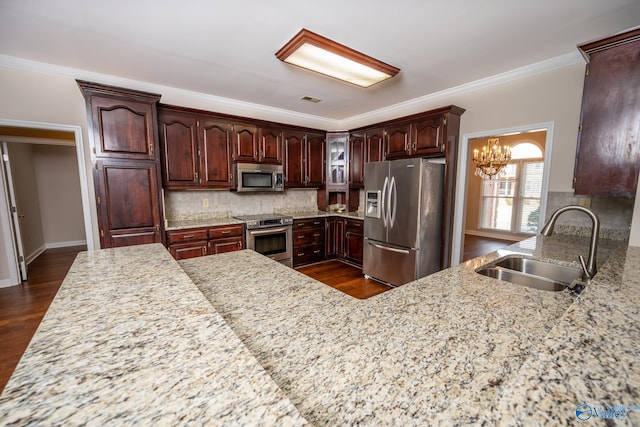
(271, 236)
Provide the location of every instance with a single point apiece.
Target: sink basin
(532, 273)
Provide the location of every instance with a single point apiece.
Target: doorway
(24, 136)
(510, 207)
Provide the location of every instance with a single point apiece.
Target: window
(511, 202)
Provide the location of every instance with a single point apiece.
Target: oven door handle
(268, 231)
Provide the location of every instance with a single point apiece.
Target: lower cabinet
(344, 239)
(195, 242)
(354, 241)
(308, 241)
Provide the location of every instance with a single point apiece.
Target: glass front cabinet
(337, 159)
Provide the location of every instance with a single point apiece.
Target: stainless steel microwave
(258, 177)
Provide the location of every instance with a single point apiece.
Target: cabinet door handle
(204, 250)
(414, 145)
(239, 245)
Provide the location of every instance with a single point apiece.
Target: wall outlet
(585, 202)
(205, 203)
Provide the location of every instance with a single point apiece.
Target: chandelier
(492, 159)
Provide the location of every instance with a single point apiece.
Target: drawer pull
(301, 236)
(188, 236)
(316, 223)
(316, 234)
(226, 232)
(300, 253)
(316, 252)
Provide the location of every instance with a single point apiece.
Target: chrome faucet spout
(590, 267)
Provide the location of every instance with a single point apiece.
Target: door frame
(462, 178)
(14, 276)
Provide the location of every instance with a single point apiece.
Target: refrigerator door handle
(384, 208)
(393, 192)
(387, 248)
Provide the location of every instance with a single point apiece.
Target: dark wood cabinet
(397, 141)
(270, 146)
(179, 143)
(374, 145)
(245, 143)
(356, 160)
(304, 159)
(126, 174)
(608, 151)
(294, 169)
(195, 242)
(427, 136)
(354, 241)
(314, 161)
(196, 150)
(122, 128)
(308, 241)
(216, 169)
(128, 203)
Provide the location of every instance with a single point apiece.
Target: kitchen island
(452, 348)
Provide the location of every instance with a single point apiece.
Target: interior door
(15, 215)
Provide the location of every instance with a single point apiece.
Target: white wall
(59, 195)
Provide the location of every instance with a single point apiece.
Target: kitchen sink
(532, 273)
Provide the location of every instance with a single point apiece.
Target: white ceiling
(226, 48)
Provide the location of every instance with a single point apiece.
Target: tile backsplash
(615, 215)
(202, 204)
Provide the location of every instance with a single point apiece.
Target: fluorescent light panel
(314, 52)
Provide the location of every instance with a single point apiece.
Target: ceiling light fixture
(314, 52)
(492, 159)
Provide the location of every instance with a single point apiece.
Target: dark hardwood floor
(345, 278)
(23, 306)
(475, 246)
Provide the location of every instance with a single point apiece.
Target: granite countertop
(179, 224)
(272, 346)
(446, 349)
(128, 340)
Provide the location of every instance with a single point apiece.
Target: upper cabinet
(608, 152)
(397, 137)
(196, 150)
(123, 128)
(270, 145)
(337, 159)
(245, 143)
(356, 160)
(303, 159)
(427, 136)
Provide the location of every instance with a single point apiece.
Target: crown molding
(178, 96)
(426, 102)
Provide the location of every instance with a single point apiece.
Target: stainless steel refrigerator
(403, 219)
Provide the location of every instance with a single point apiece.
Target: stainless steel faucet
(590, 267)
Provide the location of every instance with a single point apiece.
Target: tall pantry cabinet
(126, 164)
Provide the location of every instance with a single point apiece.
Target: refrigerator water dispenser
(373, 208)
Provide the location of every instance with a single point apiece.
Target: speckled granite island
(454, 348)
(130, 340)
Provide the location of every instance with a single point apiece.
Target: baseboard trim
(7, 283)
(55, 245)
(29, 258)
